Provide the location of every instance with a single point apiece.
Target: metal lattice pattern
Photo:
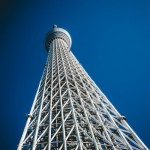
(71, 113)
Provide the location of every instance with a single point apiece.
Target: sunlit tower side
(69, 111)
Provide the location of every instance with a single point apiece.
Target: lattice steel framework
(69, 111)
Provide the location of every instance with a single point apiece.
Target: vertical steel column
(62, 115)
(29, 116)
(76, 124)
(50, 109)
(94, 140)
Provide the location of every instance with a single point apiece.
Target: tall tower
(69, 111)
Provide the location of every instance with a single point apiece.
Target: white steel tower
(69, 111)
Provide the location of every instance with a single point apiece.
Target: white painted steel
(69, 111)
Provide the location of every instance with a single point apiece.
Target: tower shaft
(70, 112)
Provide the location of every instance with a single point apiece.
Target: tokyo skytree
(69, 111)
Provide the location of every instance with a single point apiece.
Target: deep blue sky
(111, 39)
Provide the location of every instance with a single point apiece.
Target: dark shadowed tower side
(69, 111)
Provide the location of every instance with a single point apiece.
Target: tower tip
(54, 26)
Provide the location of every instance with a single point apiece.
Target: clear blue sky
(111, 39)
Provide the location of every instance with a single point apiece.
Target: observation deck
(57, 33)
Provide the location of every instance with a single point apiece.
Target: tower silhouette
(69, 111)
